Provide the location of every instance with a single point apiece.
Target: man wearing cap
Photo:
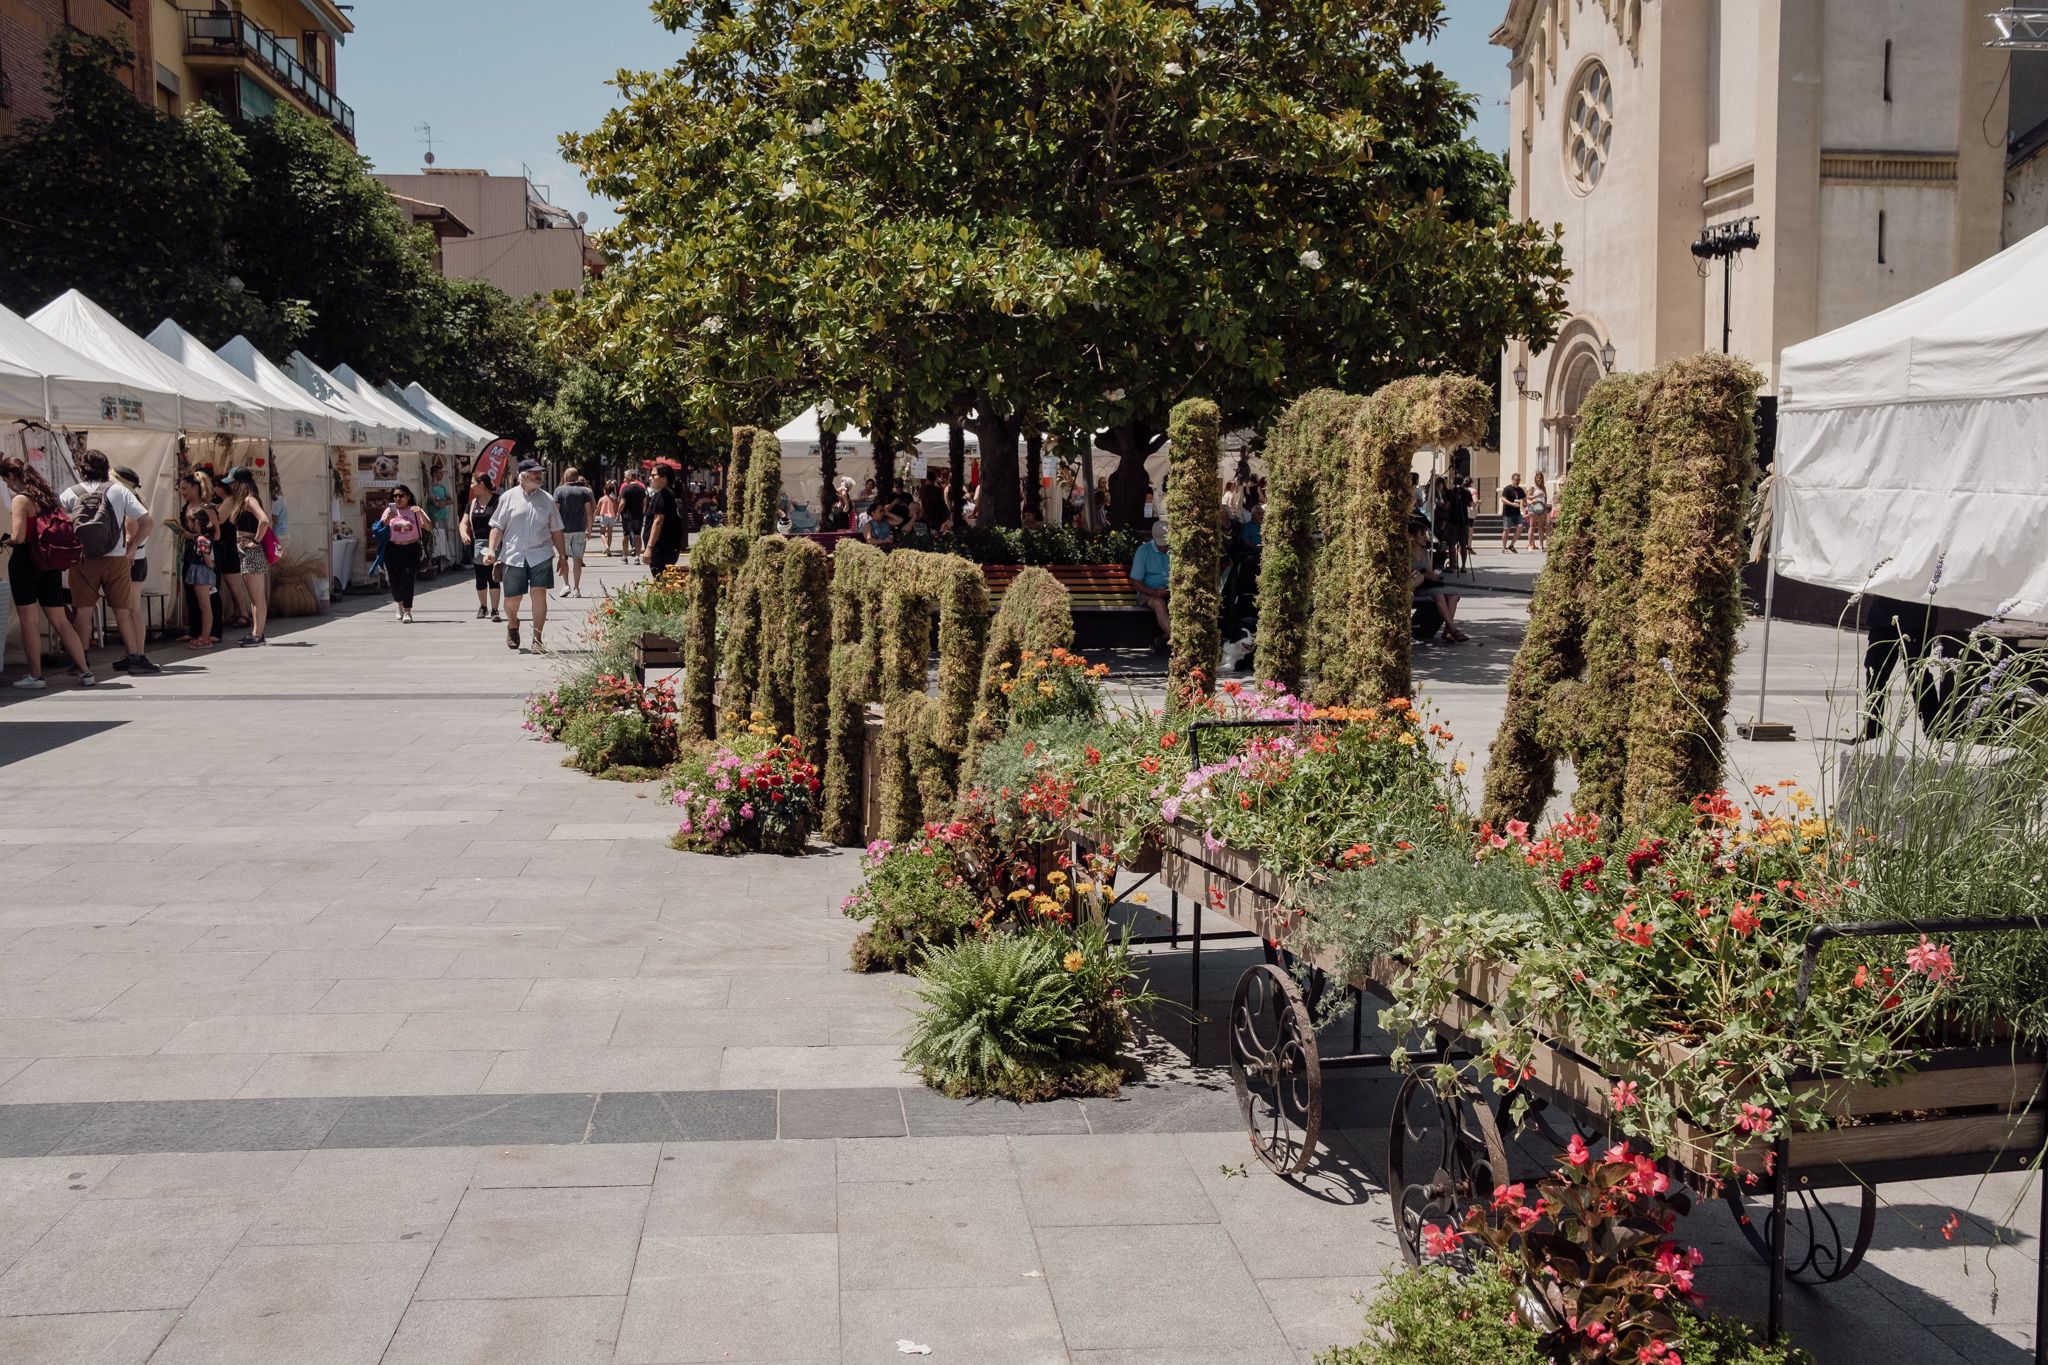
(112, 525)
(526, 539)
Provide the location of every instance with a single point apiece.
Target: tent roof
(422, 400)
(288, 420)
(800, 433)
(42, 379)
(447, 440)
(414, 432)
(366, 426)
(285, 393)
(205, 405)
(1983, 334)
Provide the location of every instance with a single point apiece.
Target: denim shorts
(524, 578)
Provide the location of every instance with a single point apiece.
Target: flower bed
(759, 794)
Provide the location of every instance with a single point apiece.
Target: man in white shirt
(526, 540)
(112, 526)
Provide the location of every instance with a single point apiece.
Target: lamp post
(1722, 242)
(1607, 357)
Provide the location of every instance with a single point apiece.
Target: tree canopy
(1061, 216)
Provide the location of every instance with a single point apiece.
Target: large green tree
(1057, 215)
(592, 419)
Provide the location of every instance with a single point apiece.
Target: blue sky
(501, 80)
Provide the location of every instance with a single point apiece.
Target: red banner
(495, 458)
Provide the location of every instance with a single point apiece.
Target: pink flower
(1755, 1118)
(1625, 1094)
(1506, 1195)
(1575, 1151)
(1518, 829)
(1931, 961)
(1438, 1241)
(746, 810)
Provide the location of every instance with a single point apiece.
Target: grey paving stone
(541, 1070)
(1193, 1291)
(309, 1305)
(841, 1113)
(1316, 1315)
(58, 1080)
(934, 1234)
(368, 1074)
(923, 1158)
(204, 1126)
(547, 1167)
(1015, 1325)
(733, 1298)
(931, 1114)
(789, 1068)
(744, 1188)
(1110, 1179)
(199, 1175)
(508, 1332)
(377, 1195)
(36, 1129)
(510, 1244)
(1165, 1109)
(118, 1255)
(455, 1120)
(684, 1116)
(84, 1338)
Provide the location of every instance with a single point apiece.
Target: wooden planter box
(1976, 1105)
(656, 652)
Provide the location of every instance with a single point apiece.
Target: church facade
(1830, 157)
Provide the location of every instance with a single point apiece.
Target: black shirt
(633, 498)
(1512, 497)
(663, 505)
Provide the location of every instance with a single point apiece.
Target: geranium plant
(759, 801)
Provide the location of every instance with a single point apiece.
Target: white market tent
(204, 406)
(1912, 453)
(447, 439)
(366, 430)
(43, 380)
(422, 400)
(285, 393)
(414, 432)
(290, 419)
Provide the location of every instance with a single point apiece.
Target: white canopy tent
(285, 394)
(1912, 456)
(366, 430)
(204, 406)
(447, 439)
(290, 419)
(422, 400)
(43, 380)
(414, 432)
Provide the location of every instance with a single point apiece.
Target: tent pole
(1759, 728)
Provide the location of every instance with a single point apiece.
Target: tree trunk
(998, 437)
(956, 474)
(1088, 482)
(1131, 443)
(828, 471)
(1034, 457)
(884, 436)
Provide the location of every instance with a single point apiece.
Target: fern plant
(997, 1010)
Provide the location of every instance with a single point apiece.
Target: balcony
(234, 37)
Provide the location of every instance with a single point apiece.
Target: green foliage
(715, 561)
(925, 209)
(111, 197)
(1699, 417)
(923, 736)
(913, 897)
(773, 701)
(1039, 545)
(807, 650)
(592, 418)
(1034, 616)
(1305, 458)
(855, 680)
(1432, 1315)
(1024, 1016)
(764, 483)
(1633, 629)
(1194, 503)
(609, 740)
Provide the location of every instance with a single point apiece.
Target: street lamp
(1722, 242)
(1522, 383)
(1607, 356)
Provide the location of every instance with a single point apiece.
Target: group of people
(70, 550)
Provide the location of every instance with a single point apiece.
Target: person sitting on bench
(1149, 578)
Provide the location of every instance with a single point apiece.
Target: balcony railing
(220, 34)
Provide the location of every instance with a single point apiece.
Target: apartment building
(516, 239)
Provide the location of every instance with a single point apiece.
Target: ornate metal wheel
(1820, 1247)
(1274, 1064)
(1444, 1154)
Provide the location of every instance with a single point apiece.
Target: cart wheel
(1274, 1064)
(1814, 1250)
(1444, 1153)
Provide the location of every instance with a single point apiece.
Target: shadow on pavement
(20, 739)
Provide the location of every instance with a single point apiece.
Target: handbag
(272, 551)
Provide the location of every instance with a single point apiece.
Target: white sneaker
(88, 680)
(29, 684)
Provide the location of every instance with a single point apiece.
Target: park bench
(1100, 595)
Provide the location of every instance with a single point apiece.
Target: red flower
(1576, 1151)
(1742, 920)
(1150, 765)
(1624, 1094)
(1168, 740)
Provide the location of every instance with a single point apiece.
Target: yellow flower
(1407, 739)
(1458, 767)
(1055, 877)
(1074, 961)
(1043, 905)
(1139, 898)
(757, 716)
(1006, 688)
(1045, 689)
(1801, 802)
(1020, 894)
(1084, 887)
(1062, 893)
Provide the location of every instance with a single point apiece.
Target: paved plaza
(340, 1024)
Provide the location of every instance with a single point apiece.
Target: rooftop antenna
(426, 132)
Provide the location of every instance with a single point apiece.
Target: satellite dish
(430, 158)
(582, 217)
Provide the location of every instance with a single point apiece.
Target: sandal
(512, 636)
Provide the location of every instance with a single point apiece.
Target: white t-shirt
(127, 507)
(529, 522)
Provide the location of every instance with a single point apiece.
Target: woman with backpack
(246, 521)
(45, 544)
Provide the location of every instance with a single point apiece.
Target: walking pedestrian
(574, 500)
(526, 538)
(666, 531)
(476, 535)
(608, 515)
(197, 529)
(1539, 513)
(111, 522)
(246, 520)
(42, 548)
(633, 513)
(406, 526)
(138, 571)
(1513, 501)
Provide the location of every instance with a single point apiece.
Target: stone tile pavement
(338, 1023)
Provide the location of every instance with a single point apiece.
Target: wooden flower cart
(1966, 1111)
